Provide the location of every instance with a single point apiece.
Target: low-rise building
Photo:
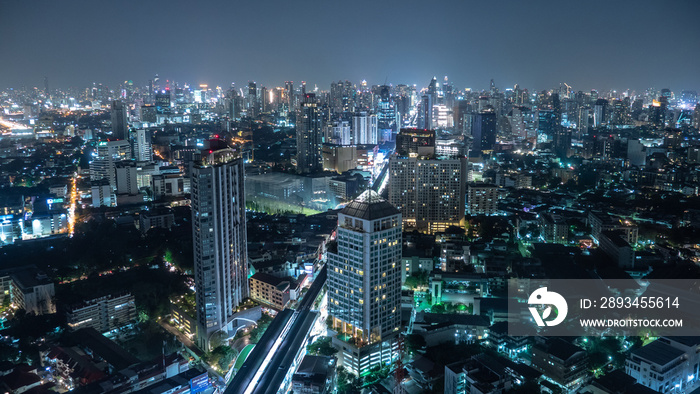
(269, 290)
(315, 375)
(509, 345)
(478, 375)
(561, 362)
(555, 229)
(160, 218)
(30, 289)
(168, 185)
(617, 248)
(601, 222)
(104, 314)
(665, 365)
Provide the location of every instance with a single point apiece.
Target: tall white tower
(364, 281)
(219, 234)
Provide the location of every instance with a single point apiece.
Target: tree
(414, 342)
(322, 347)
(221, 356)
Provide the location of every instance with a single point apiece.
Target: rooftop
(658, 352)
(561, 349)
(369, 206)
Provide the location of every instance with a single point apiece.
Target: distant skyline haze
(538, 44)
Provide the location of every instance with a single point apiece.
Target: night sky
(588, 44)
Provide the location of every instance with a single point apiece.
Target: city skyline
(537, 45)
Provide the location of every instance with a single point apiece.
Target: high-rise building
(309, 136)
(252, 99)
(546, 125)
(364, 282)
(415, 142)
(425, 115)
(483, 131)
(108, 154)
(482, 199)
(289, 95)
(143, 149)
(428, 189)
(125, 173)
(148, 113)
(364, 128)
(120, 127)
(600, 112)
(219, 233)
(163, 102)
(386, 115)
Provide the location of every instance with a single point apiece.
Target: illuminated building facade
(219, 232)
(428, 190)
(364, 282)
(309, 136)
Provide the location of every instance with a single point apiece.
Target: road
(182, 338)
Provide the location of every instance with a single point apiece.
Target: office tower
(427, 189)
(46, 87)
(583, 121)
(600, 112)
(516, 118)
(463, 118)
(364, 282)
(219, 233)
(163, 102)
(264, 100)
(148, 113)
(620, 112)
(386, 114)
(561, 142)
(338, 98)
(143, 149)
(425, 115)
(658, 112)
(364, 128)
(546, 125)
(108, 154)
(483, 131)
(120, 127)
(252, 99)
(309, 141)
(289, 95)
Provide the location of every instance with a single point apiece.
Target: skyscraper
(428, 190)
(120, 127)
(483, 131)
(309, 136)
(364, 128)
(143, 149)
(289, 95)
(163, 102)
(219, 233)
(252, 98)
(364, 282)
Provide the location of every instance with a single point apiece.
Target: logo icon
(547, 299)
